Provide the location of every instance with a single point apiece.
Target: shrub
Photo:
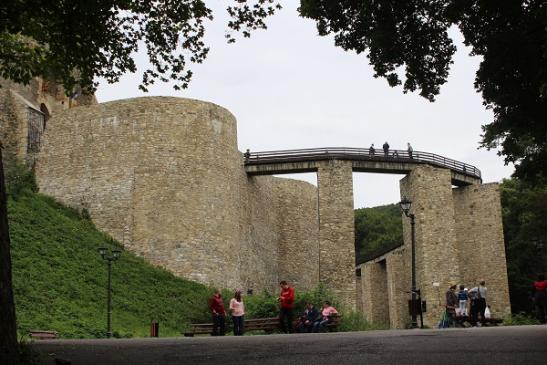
(519, 319)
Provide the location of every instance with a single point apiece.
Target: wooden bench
(487, 321)
(43, 335)
(256, 324)
(268, 325)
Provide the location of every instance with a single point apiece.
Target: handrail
(351, 153)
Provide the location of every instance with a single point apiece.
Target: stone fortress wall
(164, 176)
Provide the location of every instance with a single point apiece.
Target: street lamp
(406, 204)
(103, 251)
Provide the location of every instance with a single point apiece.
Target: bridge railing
(350, 153)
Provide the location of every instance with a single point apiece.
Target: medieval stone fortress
(164, 176)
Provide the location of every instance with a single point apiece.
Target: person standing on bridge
(386, 149)
(409, 149)
(286, 303)
(371, 150)
(216, 306)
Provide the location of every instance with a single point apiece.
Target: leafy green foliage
(519, 319)
(510, 37)
(74, 43)
(59, 278)
(356, 321)
(525, 230)
(376, 228)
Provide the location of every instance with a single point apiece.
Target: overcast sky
(290, 88)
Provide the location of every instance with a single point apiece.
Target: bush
(519, 319)
(19, 179)
(356, 321)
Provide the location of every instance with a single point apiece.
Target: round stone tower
(159, 174)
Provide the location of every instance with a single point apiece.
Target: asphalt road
(493, 345)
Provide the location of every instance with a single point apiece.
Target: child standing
(462, 297)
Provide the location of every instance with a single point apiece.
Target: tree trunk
(8, 328)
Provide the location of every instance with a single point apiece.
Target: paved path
(501, 345)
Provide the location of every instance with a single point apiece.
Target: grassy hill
(60, 279)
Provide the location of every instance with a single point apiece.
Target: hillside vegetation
(60, 279)
(377, 228)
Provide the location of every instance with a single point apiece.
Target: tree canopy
(407, 43)
(74, 42)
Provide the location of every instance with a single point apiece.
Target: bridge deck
(363, 160)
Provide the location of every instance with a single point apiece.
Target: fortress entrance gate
(459, 235)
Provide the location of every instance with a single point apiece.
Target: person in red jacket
(216, 306)
(286, 304)
(539, 295)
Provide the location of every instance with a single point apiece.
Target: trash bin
(154, 329)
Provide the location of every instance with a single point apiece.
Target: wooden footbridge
(363, 160)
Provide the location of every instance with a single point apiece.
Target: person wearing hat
(237, 308)
(451, 303)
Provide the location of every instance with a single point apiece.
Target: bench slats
(254, 324)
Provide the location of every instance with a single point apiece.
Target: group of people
(469, 303)
(385, 147)
(311, 321)
(237, 309)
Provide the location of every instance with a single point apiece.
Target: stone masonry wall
(164, 176)
(336, 229)
(430, 191)
(299, 233)
(399, 284)
(481, 249)
(375, 292)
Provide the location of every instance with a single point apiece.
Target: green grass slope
(60, 279)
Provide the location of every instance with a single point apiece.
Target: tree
(377, 229)
(525, 230)
(407, 42)
(8, 342)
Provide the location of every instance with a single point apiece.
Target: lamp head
(406, 204)
(102, 251)
(116, 254)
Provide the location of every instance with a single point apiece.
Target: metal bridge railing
(366, 154)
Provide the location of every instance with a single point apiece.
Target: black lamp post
(103, 251)
(406, 204)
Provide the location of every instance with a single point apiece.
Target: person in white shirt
(237, 308)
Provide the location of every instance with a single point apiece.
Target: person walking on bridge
(286, 303)
(409, 149)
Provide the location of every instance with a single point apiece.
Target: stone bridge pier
(337, 229)
(459, 238)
